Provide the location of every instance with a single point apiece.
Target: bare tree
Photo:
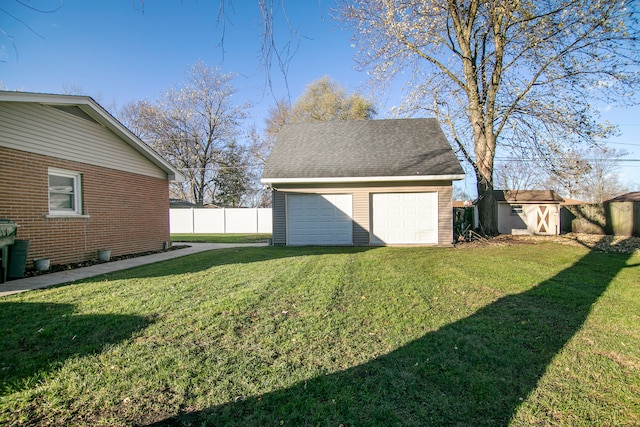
(518, 175)
(603, 182)
(567, 176)
(192, 127)
(596, 179)
(503, 76)
(20, 12)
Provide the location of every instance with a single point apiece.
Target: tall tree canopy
(323, 100)
(195, 127)
(507, 76)
(326, 100)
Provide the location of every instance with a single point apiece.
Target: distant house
(528, 211)
(181, 204)
(76, 180)
(634, 196)
(370, 182)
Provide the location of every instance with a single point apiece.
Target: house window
(64, 193)
(516, 209)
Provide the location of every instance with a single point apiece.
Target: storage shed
(528, 211)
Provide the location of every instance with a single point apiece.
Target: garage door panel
(405, 218)
(319, 219)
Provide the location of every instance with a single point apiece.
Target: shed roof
(87, 106)
(364, 150)
(527, 196)
(633, 196)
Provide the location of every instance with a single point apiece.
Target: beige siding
(445, 215)
(527, 221)
(44, 130)
(362, 205)
(361, 221)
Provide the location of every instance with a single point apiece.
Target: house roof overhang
(89, 106)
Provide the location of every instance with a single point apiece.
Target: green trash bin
(18, 258)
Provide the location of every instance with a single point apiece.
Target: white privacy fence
(231, 220)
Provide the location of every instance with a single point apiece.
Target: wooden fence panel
(612, 218)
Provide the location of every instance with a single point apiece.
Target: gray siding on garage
(362, 206)
(279, 204)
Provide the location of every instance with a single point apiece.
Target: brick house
(76, 180)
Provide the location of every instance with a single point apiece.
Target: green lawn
(522, 335)
(221, 238)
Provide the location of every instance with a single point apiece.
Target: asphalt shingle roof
(366, 148)
(524, 196)
(634, 196)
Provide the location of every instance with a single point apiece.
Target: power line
(623, 143)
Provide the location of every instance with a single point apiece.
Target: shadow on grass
(38, 337)
(476, 371)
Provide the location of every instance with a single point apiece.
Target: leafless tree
(518, 175)
(503, 76)
(596, 178)
(192, 126)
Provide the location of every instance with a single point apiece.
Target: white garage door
(319, 219)
(405, 218)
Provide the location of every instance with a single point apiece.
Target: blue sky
(115, 52)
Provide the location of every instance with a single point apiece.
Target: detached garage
(375, 182)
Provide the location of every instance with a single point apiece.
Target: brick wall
(125, 212)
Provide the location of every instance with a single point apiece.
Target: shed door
(546, 222)
(319, 219)
(404, 218)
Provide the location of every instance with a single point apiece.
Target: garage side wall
(279, 220)
(362, 206)
(122, 211)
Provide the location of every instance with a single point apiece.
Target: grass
(532, 334)
(221, 238)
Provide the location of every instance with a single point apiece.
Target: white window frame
(77, 193)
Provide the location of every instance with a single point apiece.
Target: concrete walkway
(51, 279)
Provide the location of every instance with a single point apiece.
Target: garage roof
(365, 150)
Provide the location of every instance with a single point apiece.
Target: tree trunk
(487, 207)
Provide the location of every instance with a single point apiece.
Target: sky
(118, 51)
